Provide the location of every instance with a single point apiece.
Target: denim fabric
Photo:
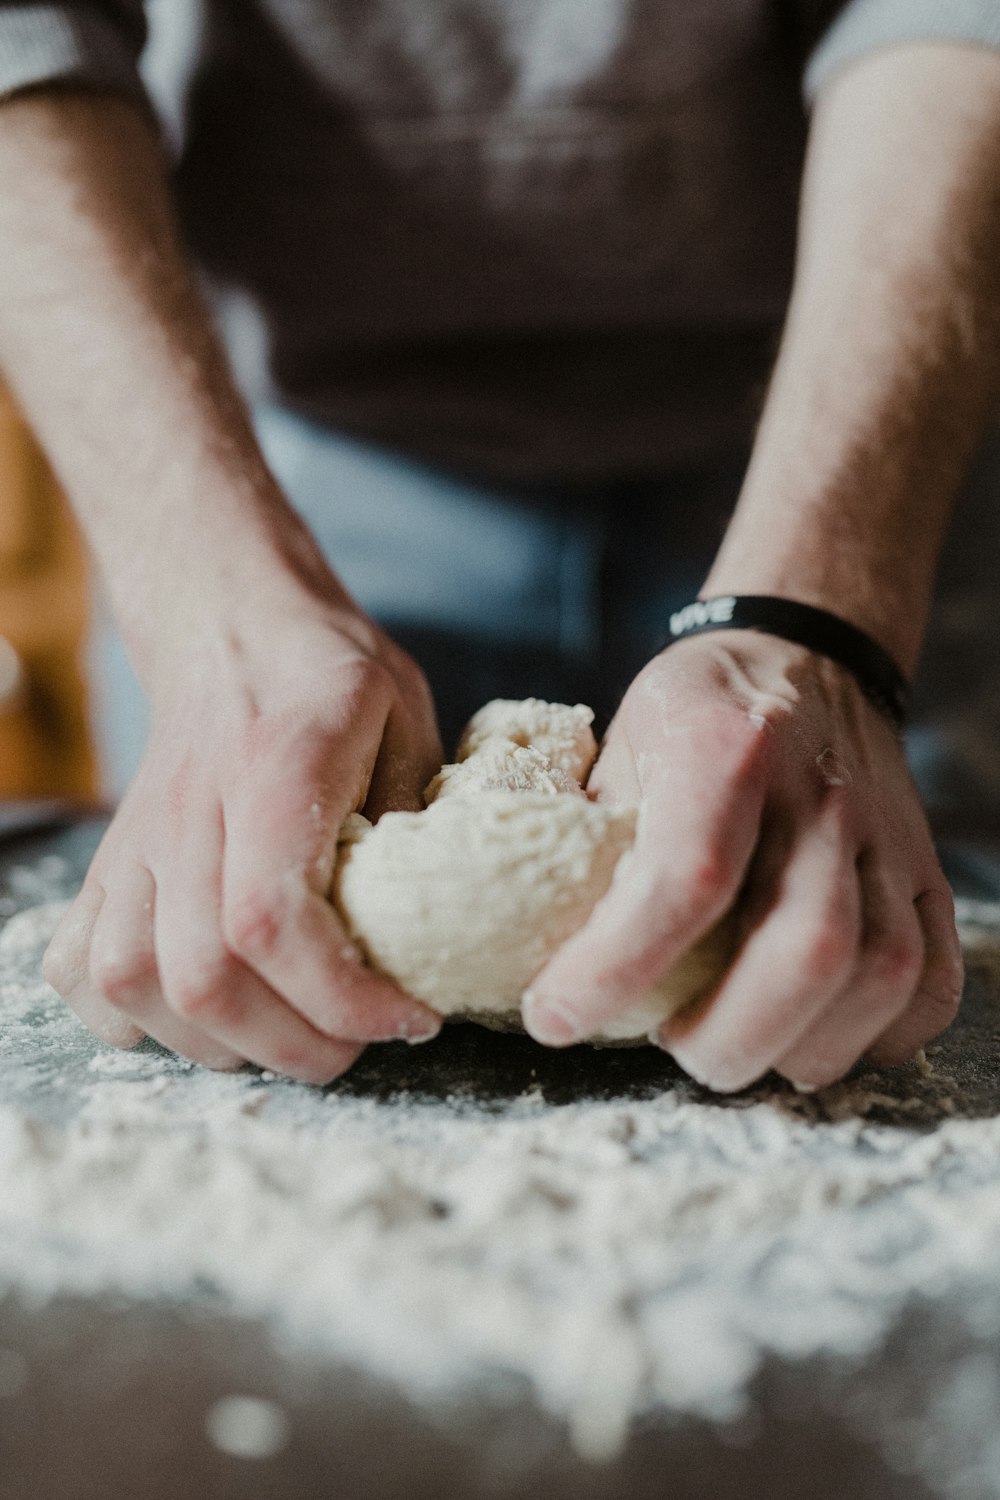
(555, 591)
(563, 591)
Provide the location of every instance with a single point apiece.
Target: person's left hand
(763, 777)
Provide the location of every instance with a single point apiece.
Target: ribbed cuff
(77, 43)
(867, 25)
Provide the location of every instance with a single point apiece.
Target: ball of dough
(464, 902)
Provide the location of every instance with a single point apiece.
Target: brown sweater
(527, 238)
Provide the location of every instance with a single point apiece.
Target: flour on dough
(464, 902)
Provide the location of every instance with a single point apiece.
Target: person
(539, 253)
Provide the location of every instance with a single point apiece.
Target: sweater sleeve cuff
(867, 25)
(80, 44)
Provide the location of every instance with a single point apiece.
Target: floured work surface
(482, 1215)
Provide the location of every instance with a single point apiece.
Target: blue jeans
(563, 591)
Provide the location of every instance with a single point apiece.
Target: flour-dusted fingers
(124, 974)
(879, 990)
(66, 960)
(277, 920)
(405, 764)
(788, 968)
(615, 775)
(694, 841)
(208, 988)
(939, 989)
(410, 753)
(66, 967)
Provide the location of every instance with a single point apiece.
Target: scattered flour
(619, 1257)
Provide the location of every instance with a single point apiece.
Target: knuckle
(364, 679)
(253, 925)
(710, 875)
(897, 961)
(828, 950)
(202, 990)
(830, 939)
(119, 974)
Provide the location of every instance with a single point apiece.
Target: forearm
(278, 709)
(105, 342)
(889, 361)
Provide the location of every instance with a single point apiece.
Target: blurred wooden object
(45, 747)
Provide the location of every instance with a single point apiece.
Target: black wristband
(874, 669)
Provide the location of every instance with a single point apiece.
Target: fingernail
(711, 1079)
(225, 1062)
(119, 1032)
(803, 1088)
(550, 1021)
(420, 1028)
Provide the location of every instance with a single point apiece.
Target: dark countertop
(115, 1393)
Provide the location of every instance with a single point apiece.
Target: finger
(277, 920)
(615, 776)
(879, 990)
(939, 989)
(124, 975)
(798, 957)
(66, 960)
(66, 967)
(682, 874)
(211, 990)
(405, 764)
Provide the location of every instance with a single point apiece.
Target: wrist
(224, 562)
(819, 631)
(881, 585)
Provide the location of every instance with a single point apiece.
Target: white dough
(463, 903)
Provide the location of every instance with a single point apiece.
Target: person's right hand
(204, 921)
